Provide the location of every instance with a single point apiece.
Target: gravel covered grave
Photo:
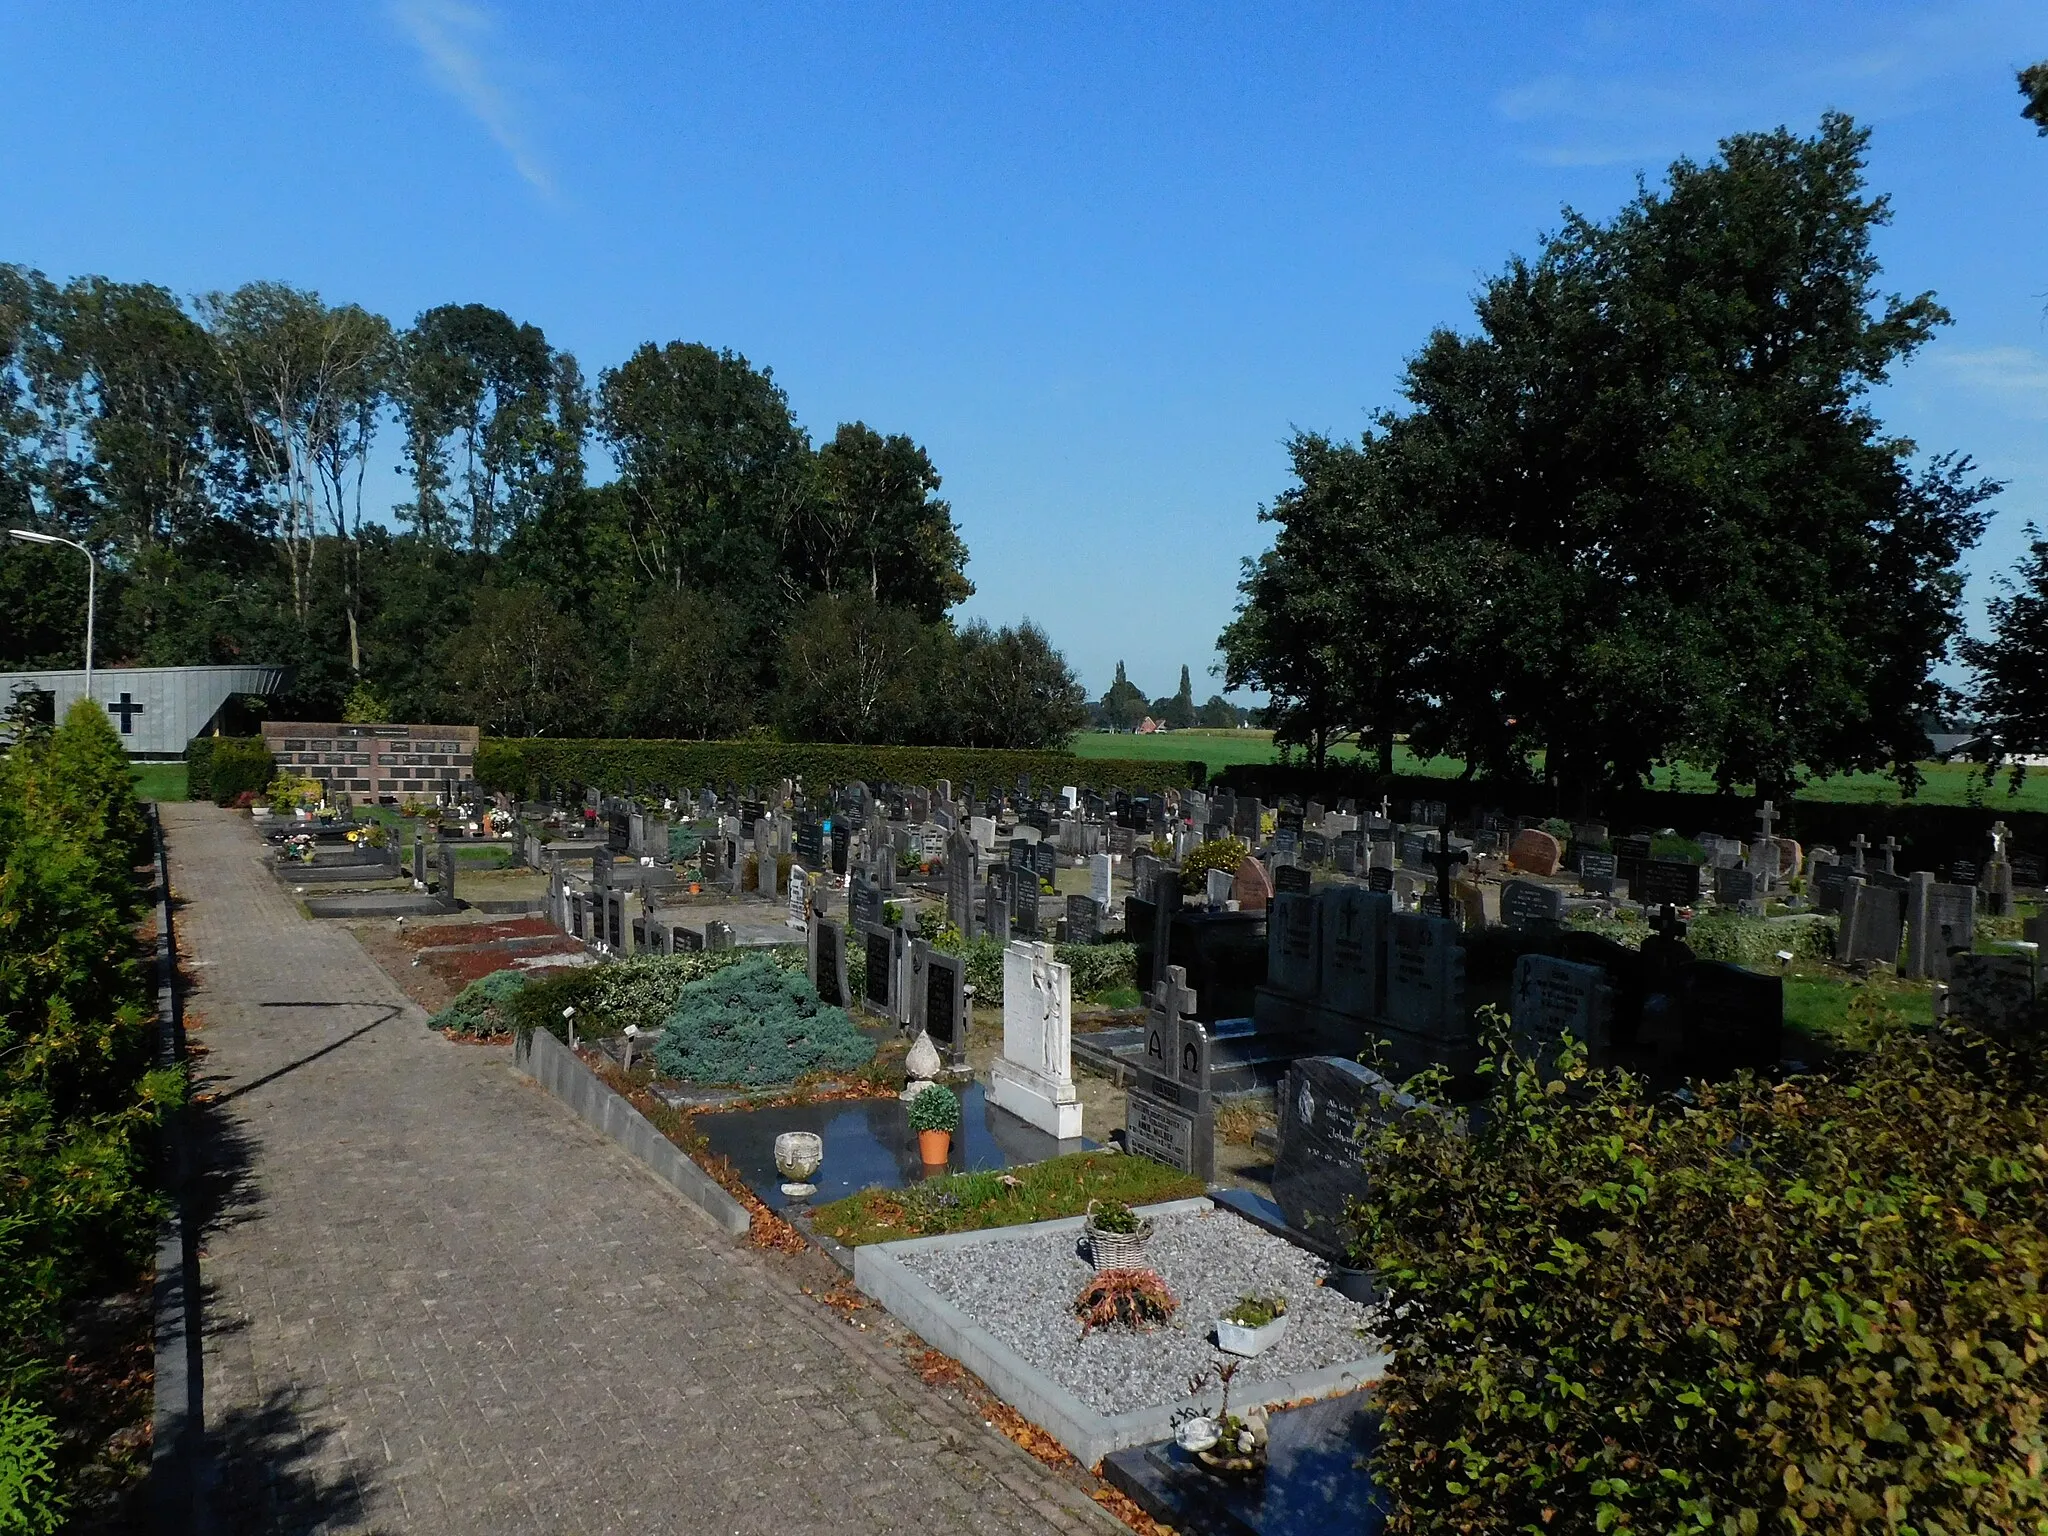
(1021, 1289)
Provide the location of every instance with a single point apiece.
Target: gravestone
(1994, 994)
(1534, 852)
(1034, 1077)
(1327, 1107)
(799, 899)
(1216, 887)
(1291, 879)
(863, 903)
(960, 868)
(827, 943)
(1552, 998)
(1027, 905)
(1251, 887)
(996, 905)
(879, 990)
(1380, 880)
(1426, 994)
(447, 892)
(1170, 1109)
(945, 1005)
(1597, 872)
(1353, 926)
(1528, 907)
(683, 940)
(1667, 883)
(1045, 860)
(1829, 882)
(1735, 888)
(1730, 1019)
(1294, 944)
(1102, 880)
(1084, 920)
(1873, 923)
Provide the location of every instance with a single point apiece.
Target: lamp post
(92, 568)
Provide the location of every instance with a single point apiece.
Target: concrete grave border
(556, 1068)
(882, 1276)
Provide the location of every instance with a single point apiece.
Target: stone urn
(798, 1156)
(922, 1066)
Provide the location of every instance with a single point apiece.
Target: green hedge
(519, 767)
(218, 768)
(1800, 1307)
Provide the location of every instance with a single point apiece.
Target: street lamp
(92, 568)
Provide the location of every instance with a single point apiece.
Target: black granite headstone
(1667, 883)
(1291, 879)
(1730, 1018)
(1597, 872)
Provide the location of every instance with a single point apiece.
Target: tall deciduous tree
(1123, 703)
(691, 671)
(1015, 690)
(713, 470)
(1659, 513)
(2033, 81)
(2011, 667)
(518, 668)
(874, 525)
(494, 421)
(853, 670)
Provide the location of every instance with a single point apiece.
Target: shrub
(539, 1004)
(237, 766)
(1114, 1216)
(479, 1009)
(1224, 853)
(1097, 968)
(753, 1024)
(1809, 1306)
(936, 1109)
(1126, 1298)
(30, 1502)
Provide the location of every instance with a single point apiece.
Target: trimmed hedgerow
(1808, 1306)
(755, 1024)
(218, 768)
(518, 767)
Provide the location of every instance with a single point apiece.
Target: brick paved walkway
(437, 1302)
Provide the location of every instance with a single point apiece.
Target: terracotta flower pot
(934, 1146)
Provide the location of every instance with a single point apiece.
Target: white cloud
(2015, 376)
(449, 35)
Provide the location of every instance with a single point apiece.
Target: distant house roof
(1148, 725)
(156, 710)
(1948, 744)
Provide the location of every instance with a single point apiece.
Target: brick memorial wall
(380, 764)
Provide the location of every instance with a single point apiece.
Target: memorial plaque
(945, 1003)
(1426, 978)
(1354, 939)
(1084, 920)
(863, 903)
(1379, 880)
(878, 991)
(1734, 887)
(1164, 1132)
(1026, 914)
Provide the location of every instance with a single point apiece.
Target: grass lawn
(1945, 783)
(1848, 1013)
(968, 1202)
(158, 781)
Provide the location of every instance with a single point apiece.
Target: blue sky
(1099, 260)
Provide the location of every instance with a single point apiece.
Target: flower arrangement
(1255, 1311)
(1114, 1216)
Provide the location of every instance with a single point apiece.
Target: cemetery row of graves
(808, 984)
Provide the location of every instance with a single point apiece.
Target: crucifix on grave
(1857, 847)
(1763, 852)
(1891, 853)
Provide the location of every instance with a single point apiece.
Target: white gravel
(1022, 1289)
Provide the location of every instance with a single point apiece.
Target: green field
(1946, 783)
(159, 781)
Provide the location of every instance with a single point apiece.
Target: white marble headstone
(1034, 1077)
(1101, 882)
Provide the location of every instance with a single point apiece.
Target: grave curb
(556, 1068)
(1089, 1434)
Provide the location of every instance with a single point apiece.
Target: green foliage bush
(1224, 853)
(754, 1024)
(218, 768)
(79, 1100)
(31, 1503)
(641, 991)
(1097, 968)
(1750, 941)
(518, 767)
(479, 1008)
(1814, 1306)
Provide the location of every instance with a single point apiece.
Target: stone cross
(1668, 926)
(1891, 850)
(1999, 833)
(1764, 816)
(1858, 844)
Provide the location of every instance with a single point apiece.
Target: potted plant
(935, 1116)
(1224, 1441)
(1253, 1324)
(1116, 1234)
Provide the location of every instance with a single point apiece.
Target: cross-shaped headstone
(1668, 926)
(1891, 850)
(1765, 814)
(1386, 807)
(127, 709)
(1857, 844)
(1999, 834)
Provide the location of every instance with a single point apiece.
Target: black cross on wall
(127, 709)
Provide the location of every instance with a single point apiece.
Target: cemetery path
(437, 1301)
